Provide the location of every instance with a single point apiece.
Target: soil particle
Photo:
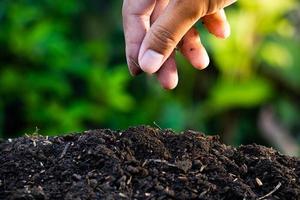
(143, 163)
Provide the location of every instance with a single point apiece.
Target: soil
(143, 163)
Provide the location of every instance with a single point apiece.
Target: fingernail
(151, 61)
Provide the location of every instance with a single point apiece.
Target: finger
(217, 24)
(216, 5)
(193, 50)
(160, 6)
(170, 27)
(136, 22)
(167, 74)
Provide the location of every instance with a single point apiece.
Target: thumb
(170, 27)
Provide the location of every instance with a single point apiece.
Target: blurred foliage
(63, 69)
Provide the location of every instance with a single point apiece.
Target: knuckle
(192, 8)
(198, 8)
(213, 6)
(163, 39)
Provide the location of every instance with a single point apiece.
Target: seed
(258, 181)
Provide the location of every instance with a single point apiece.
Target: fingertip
(134, 72)
(217, 24)
(196, 54)
(151, 61)
(170, 83)
(220, 30)
(168, 75)
(227, 30)
(133, 67)
(201, 60)
(224, 31)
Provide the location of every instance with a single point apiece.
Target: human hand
(154, 28)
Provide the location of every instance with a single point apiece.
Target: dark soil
(143, 163)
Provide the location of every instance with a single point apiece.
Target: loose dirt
(143, 163)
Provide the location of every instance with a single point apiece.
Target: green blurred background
(63, 69)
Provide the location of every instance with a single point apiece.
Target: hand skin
(154, 28)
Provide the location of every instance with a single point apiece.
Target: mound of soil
(143, 163)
